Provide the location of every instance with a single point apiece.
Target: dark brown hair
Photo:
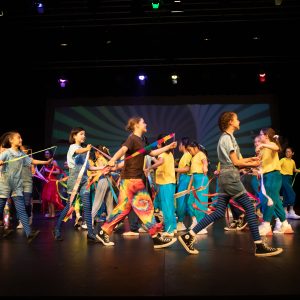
(224, 119)
(270, 133)
(103, 149)
(74, 131)
(6, 137)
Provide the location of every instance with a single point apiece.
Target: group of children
(272, 182)
(188, 183)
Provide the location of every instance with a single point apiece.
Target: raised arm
(158, 151)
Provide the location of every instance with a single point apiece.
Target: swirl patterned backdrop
(106, 124)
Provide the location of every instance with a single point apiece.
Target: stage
(226, 265)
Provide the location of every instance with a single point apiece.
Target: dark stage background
(106, 124)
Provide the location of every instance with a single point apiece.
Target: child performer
(133, 194)
(230, 186)
(199, 169)
(183, 182)
(11, 184)
(165, 181)
(288, 168)
(77, 160)
(271, 180)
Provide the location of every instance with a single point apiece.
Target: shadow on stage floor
(226, 265)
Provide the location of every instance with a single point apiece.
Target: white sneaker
(84, 225)
(203, 231)
(181, 226)
(194, 223)
(20, 226)
(277, 226)
(265, 229)
(130, 233)
(142, 230)
(292, 215)
(285, 228)
(168, 234)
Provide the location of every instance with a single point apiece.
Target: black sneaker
(158, 216)
(78, 223)
(57, 235)
(32, 236)
(161, 241)
(263, 250)
(104, 238)
(93, 239)
(241, 224)
(187, 241)
(232, 226)
(118, 226)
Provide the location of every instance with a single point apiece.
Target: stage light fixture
(142, 79)
(155, 4)
(262, 77)
(40, 7)
(63, 82)
(174, 78)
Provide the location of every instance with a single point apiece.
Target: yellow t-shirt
(101, 161)
(185, 160)
(287, 166)
(269, 160)
(165, 173)
(197, 164)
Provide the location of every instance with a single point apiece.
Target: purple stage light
(62, 82)
(40, 7)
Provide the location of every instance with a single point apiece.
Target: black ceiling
(111, 41)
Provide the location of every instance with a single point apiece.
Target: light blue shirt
(14, 168)
(74, 159)
(227, 144)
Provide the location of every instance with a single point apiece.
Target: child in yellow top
(288, 168)
(184, 177)
(270, 169)
(199, 169)
(166, 182)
